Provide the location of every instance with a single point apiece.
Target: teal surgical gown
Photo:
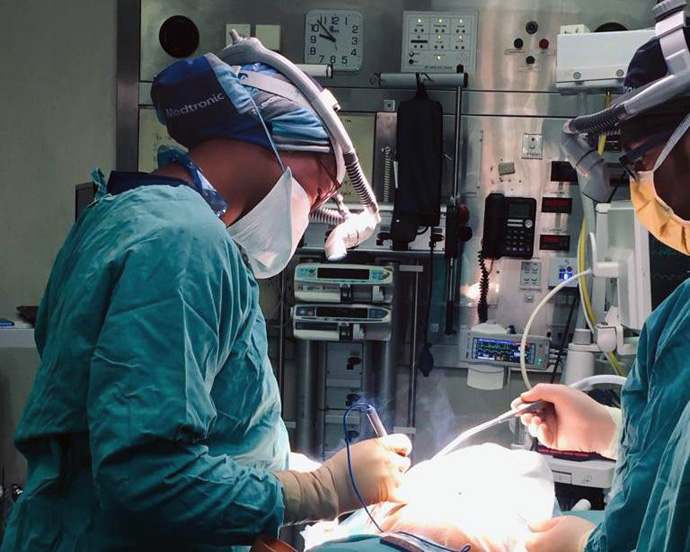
(154, 421)
(650, 504)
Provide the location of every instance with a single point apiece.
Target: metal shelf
(17, 338)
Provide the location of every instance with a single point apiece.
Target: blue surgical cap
(202, 98)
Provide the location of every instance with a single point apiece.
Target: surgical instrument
(375, 421)
(515, 412)
(526, 408)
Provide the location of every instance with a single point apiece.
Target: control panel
(437, 42)
(343, 283)
(530, 274)
(342, 322)
(504, 350)
(561, 269)
(520, 230)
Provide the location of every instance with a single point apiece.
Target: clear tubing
(592, 381)
(525, 333)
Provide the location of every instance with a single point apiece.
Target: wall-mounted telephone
(508, 226)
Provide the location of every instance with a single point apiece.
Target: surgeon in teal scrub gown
(154, 421)
(649, 508)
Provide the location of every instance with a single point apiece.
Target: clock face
(334, 37)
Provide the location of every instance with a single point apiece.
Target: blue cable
(363, 407)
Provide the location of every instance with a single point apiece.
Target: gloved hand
(560, 534)
(377, 464)
(573, 421)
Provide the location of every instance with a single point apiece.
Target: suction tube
(598, 123)
(359, 182)
(327, 216)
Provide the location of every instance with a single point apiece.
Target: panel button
(532, 27)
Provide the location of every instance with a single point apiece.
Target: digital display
(518, 210)
(557, 205)
(330, 273)
(342, 312)
(562, 171)
(498, 350)
(554, 242)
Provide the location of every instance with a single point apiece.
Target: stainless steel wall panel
(499, 65)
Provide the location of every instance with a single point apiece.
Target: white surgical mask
(270, 233)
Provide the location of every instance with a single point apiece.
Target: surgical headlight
(579, 134)
(671, 19)
(350, 229)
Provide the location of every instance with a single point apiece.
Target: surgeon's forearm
(309, 496)
(181, 491)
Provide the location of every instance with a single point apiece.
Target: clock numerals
(334, 37)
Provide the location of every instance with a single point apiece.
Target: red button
(544, 44)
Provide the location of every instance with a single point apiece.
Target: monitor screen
(499, 350)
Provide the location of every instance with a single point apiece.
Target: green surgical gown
(650, 504)
(154, 421)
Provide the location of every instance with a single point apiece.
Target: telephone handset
(508, 226)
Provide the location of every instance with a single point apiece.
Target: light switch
(532, 146)
(269, 35)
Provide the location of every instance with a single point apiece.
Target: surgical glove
(572, 421)
(560, 534)
(377, 464)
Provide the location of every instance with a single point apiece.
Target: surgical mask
(652, 211)
(270, 233)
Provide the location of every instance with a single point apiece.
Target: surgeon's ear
(309, 169)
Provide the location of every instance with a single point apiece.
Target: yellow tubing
(581, 242)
